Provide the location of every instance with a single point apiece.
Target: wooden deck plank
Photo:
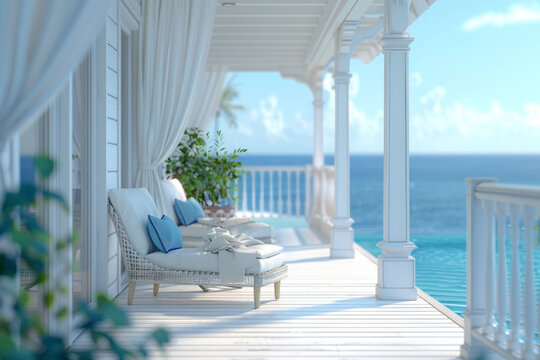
(327, 310)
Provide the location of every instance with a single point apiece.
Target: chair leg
(131, 292)
(203, 288)
(277, 289)
(156, 289)
(257, 296)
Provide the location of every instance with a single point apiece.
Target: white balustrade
(513, 212)
(291, 195)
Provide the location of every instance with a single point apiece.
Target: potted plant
(207, 171)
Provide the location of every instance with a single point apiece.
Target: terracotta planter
(219, 211)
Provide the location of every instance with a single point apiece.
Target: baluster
(322, 196)
(297, 212)
(307, 193)
(491, 324)
(502, 335)
(280, 194)
(261, 198)
(244, 192)
(529, 291)
(515, 290)
(253, 175)
(271, 200)
(289, 212)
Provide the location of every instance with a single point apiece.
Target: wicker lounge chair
(129, 209)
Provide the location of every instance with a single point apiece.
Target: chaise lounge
(129, 210)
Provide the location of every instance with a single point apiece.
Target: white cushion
(198, 242)
(266, 250)
(194, 230)
(172, 189)
(133, 207)
(199, 260)
(253, 229)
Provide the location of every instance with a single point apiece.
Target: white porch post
(396, 268)
(318, 106)
(477, 243)
(342, 232)
(319, 190)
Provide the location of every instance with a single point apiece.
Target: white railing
(287, 191)
(275, 191)
(501, 319)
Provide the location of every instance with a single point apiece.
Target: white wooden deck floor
(327, 310)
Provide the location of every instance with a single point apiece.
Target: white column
(342, 232)
(477, 243)
(318, 108)
(396, 268)
(319, 190)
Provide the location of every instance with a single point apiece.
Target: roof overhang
(292, 36)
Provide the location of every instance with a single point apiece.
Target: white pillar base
(478, 352)
(342, 238)
(396, 271)
(473, 348)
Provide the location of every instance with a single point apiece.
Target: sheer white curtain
(175, 40)
(41, 42)
(207, 96)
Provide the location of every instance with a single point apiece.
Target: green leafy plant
(25, 244)
(205, 168)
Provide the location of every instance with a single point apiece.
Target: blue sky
(474, 88)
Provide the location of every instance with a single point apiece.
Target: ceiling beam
(242, 3)
(269, 11)
(250, 39)
(264, 30)
(265, 22)
(335, 12)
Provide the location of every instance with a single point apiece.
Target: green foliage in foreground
(24, 244)
(205, 168)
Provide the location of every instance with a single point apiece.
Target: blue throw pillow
(164, 233)
(188, 211)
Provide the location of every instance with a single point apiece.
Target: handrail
(275, 168)
(514, 194)
(498, 318)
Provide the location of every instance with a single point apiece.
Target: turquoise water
(437, 210)
(440, 267)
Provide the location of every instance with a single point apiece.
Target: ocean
(437, 209)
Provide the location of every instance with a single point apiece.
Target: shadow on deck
(327, 310)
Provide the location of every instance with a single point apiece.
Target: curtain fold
(174, 44)
(206, 99)
(42, 42)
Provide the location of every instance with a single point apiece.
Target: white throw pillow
(133, 206)
(173, 189)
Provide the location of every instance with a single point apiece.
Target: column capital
(396, 42)
(342, 77)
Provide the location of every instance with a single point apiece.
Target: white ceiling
(290, 36)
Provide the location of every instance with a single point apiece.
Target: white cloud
(365, 131)
(416, 79)
(270, 117)
(456, 127)
(516, 14)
